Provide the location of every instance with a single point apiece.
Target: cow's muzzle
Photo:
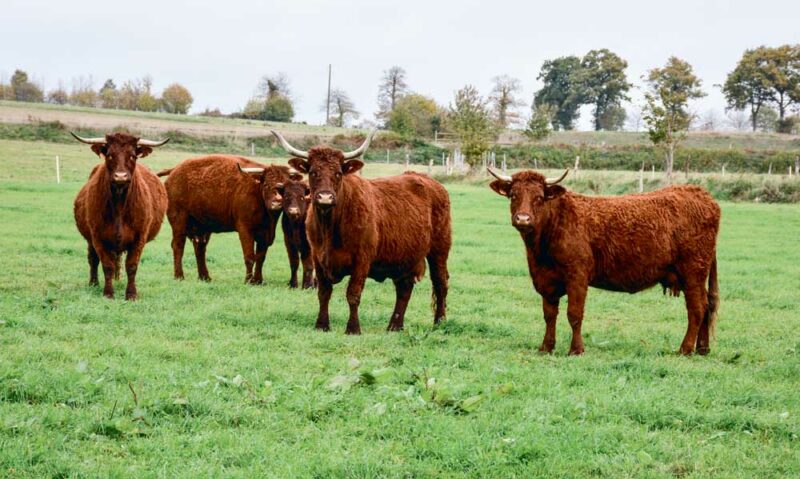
(121, 177)
(293, 212)
(276, 203)
(324, 199)
(521, 220)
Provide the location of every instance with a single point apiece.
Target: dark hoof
(545, 349)
(576, 352)
(179, 278)
(685, 351)
(93, 282)
(702, 351)
(394, 327)
(131, 296)
(108, 295)
(292, 285)
(353, 331)
(322, 327)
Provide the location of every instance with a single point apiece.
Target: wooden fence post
(641, 179)
(58, 169)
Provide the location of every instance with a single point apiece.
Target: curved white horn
(289, 148)
(89, 141)
(555, 181)
(361, 149)
(250, 169)
(151, 143)
(497, 175)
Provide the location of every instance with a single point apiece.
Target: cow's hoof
(546, 349)
(322, 327)
(131, 296)
(93, 282)
(108, 295)
(576, 352)
(353, 331)
(394, 327)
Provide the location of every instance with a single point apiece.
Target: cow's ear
(142, 151)
(99, 150)
(351, 166)
(554, 191)
(501, 187)
(299, 164)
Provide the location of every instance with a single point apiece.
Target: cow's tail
(165, 172)
(713, 298)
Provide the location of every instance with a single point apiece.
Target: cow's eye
(338, 174)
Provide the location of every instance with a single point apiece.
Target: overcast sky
(219, 49)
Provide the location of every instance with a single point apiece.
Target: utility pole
(328, 103)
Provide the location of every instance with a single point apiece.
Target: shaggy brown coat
(118, 210)
(296, 201)
(626, 243)
(383, 228)
(211, 195)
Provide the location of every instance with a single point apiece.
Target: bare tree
(737, 119)
(710, 121)
(393, 85)
(271, 86)
(342, 108)
(505, 101)
(634, 119)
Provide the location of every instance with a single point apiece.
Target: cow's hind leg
(439, 278)
(404, 287)
(200, 244)
(107, 260)
(696, 305)
(117, 266)
(94, 260)
(178, 223)
(260, 257)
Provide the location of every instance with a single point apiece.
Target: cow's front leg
(550, 310)
(261, 256)
(247, 240)
(131, 267)
(354, 289)
(107, 260)
(576, 295)
(324, 291)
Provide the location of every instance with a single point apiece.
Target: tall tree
(415, 116)
(391, 88)
(747, 86)
(23, 89)
(669, 90)
(561, 90)
(504, 100)
(109, 96)
(271, 86)
(782, 71)
(342, 108)
(604, 84)
(176, 98)
(469, 119)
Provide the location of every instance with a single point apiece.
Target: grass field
(228, 380)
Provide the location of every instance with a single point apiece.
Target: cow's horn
(555, 181)
(151, 143)
(250, 169)
(361, 149)
(90, 141)
(289, 148)
(498, 176)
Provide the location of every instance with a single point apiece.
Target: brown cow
(296, 200)
(383, 228)
(628, 244)
(222, 193)
(120, 208)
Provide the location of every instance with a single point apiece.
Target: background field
(233, 380)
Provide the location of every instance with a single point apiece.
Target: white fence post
(430, 167)
(58, 169)
(252, 149)
(641, 179)
(577, 165)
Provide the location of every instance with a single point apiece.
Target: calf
(383, 228)
(295, 205)
(120, 208)
(221, 193)
(627, 243)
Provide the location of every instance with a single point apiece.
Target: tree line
(135, 95)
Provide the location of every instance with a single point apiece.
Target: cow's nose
(324, 199)
(294, 210)
(522, 219)
(122, 177)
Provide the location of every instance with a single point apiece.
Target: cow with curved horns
(120, 208)
(628, 243)
(382, 228)
(223, 193)
(296, 198)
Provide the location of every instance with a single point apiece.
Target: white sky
(219, 49)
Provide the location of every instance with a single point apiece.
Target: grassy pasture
(223, 379)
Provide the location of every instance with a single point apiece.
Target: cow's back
(637, 239)
(212, 191)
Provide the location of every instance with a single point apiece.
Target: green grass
(232, 380)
